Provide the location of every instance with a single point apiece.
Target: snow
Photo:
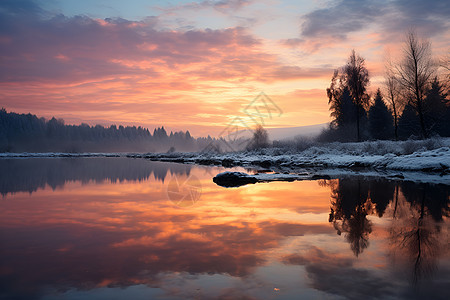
(278, 177)
(411, 160)
(349, 155)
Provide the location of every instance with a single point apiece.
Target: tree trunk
(394, 110)
(357, 124)
(395, 126)
(419, 97)
(396, 200)
(421, 119)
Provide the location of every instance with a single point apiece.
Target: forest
(28, 133)
(413, 102)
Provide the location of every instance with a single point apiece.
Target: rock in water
(233, 179)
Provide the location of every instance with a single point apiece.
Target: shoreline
(430, 166)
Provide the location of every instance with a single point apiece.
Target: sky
(197, 65)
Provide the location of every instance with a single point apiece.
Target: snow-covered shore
(373, 155)
(412, 160)
(421, 161)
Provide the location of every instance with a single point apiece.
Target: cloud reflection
(117, 235)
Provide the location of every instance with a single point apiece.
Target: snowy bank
(335, 155)
(427, 160)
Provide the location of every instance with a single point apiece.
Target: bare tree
(445, 67)
(347, 93)
(260, 138)
(357, 79)
(414, 74)
(393, 96)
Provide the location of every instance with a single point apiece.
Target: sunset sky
(196, 65)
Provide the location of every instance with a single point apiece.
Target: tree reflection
(349, 210)
(418, 211)
(381, 194)
(29, 175)
(416, 232)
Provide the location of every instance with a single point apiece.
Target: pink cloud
(135, 72)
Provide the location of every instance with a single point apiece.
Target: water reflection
(349, 210)
(339, 275)
(416, 233)
(98, 238)
(29, 175)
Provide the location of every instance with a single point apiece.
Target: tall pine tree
(380, 119)
(436, 111)
(408, 123)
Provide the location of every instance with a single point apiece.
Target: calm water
(118, 228)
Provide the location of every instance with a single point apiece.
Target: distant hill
(288, 133)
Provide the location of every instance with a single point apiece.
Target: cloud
(79, 48)
(54, 63)
(429, 18)
(140, 71)
(230, 4)
(391, 18)
(295, 72)
(20, 7)
(75, 48)
(222, 6)
(337, 21)
(420, 9)
(294, 42)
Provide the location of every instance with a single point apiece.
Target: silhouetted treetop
(380, 119)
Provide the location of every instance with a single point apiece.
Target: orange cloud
(104, 71)
(118, 71)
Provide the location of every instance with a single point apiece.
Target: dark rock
(233, 179)
(227, 163)
(317, 177)
(207, 162)
(265, 163)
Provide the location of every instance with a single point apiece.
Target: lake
(122, 228)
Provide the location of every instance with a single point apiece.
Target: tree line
(414, 102)
(27, 132)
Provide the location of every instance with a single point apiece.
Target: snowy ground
(427, 160)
